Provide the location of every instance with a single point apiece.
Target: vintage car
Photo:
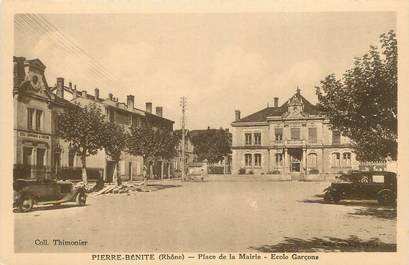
(29, 192)
(197, 171)
(364, 185)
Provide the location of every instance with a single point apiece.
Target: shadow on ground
(50, 207)
(328, 244)
(343, 202)
(383, 213)
(368, 207)
(155, 187)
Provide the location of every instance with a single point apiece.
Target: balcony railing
(294, 142)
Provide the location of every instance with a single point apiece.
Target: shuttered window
(312, 135)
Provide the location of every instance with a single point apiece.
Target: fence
(29, 171)
(75, 173)
(218, 169)
(373, 165)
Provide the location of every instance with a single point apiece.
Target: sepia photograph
(269, 136)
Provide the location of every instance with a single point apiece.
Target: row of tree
(87, 131)
(211, 144)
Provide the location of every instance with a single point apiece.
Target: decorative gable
(32, 78)
(295, 107)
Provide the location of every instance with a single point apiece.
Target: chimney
(70, 86)
(110, 96)
(237, 115)
(60, 87)
(84, 93)
(130, 101)
(159, 111)
(19, 72)
(275, 102)
(96, 93)
(148, 107)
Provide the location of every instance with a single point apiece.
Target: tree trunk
(84, 168)
(118, 174)
(161, 170)
(150, 170)
(145, 174)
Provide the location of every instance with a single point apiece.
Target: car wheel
(331, 196)
(26, 203)
(81, 199)
(386, 197)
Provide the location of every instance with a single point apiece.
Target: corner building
(293, 141)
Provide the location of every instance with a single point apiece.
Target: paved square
(225, 213)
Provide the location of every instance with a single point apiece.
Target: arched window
(336, 159)
(247, 160)
(312, 160)
(279, 159)
(257, 160)
(346, 159)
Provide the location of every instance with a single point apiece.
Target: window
(278, 134)
(247, 160)
(30, 114)
(248, 138)
(312, 135)
(336, 160)
(122, 118)
(336, 137)
(378, 179)
(257, 160)
(136, 122)
(346, 159)
(312, 160)
(295, 133)
(27, 152)
(40, 157)
(257, 138)
(279, 159)
(39, 120)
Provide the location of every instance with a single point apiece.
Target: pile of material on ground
(123, 188)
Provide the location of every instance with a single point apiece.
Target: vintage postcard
(204, 132)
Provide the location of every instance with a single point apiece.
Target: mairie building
(293, 141)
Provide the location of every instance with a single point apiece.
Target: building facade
(39, 153)
(125, 115)
(293, 140)
(37, 150)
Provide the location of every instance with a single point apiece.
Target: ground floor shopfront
(130, 167)
(44, 156)
(32, 155)
(295, 162)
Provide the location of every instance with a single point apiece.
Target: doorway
(295, 160)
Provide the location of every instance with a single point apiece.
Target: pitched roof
(261, 116)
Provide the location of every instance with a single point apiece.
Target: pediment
(36, 63)
(34, 84)
(294, 115)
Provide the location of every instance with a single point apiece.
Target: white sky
(220, 62)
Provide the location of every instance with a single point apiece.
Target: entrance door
(295, 160)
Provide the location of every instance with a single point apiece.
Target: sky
(220, 62)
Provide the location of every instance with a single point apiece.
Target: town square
(205, 133)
